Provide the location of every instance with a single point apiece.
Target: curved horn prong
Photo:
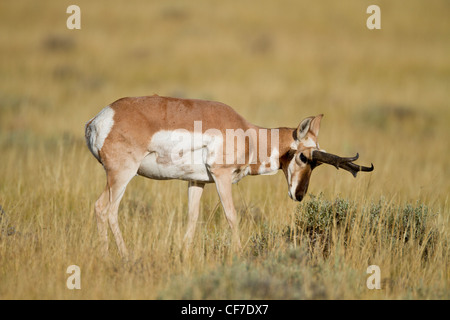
(354, 168)
(340, 162)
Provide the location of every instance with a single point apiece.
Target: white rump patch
(99, 129)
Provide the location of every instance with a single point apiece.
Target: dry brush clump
(323, 224)
(325, 252)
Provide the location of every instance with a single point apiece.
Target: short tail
(97, 130)
(90, 133)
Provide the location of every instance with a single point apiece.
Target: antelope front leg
(223, 182)
(195, 191)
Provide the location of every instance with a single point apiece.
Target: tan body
(140, 136)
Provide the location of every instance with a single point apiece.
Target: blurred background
(385, 94)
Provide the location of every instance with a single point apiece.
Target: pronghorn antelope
(194, 140)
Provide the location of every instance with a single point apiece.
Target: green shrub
(321, 223)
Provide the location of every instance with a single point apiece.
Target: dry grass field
(385, 94)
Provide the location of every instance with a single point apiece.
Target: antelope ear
(303, 128)
(315, 124)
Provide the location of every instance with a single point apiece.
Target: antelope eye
(303, 158)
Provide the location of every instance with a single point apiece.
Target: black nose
(299, 197)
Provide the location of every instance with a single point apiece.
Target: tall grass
(384, 94)
(325, 255)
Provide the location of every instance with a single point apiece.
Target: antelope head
(305, 155)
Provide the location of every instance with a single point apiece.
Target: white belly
(180, 155)
(156, 166)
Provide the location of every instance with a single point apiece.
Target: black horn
(340, 162)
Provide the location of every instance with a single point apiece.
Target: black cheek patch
(303, 158)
